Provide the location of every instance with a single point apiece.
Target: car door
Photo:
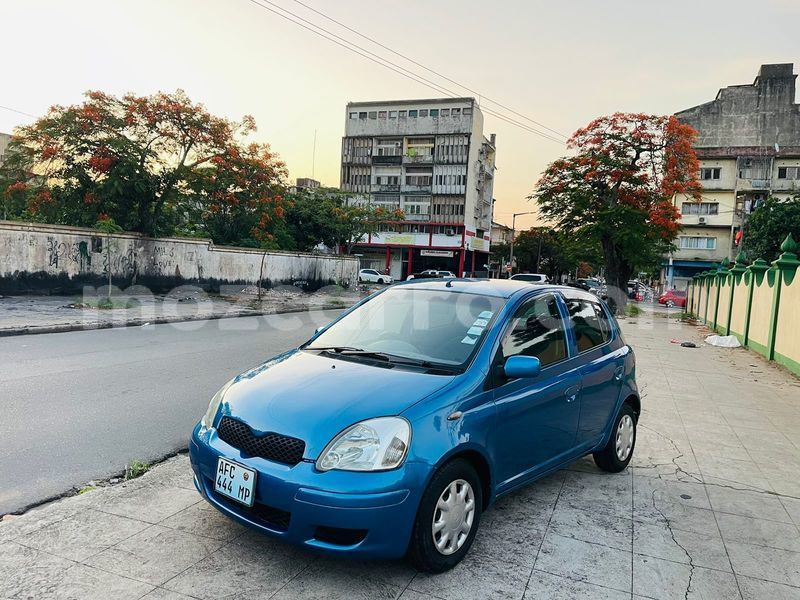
(537, 418)
(602, 359)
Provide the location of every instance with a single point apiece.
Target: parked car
(373, 276)
(530, 277)
(672, 298)
(430, 274)
(396, 426)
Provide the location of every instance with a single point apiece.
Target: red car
(672, 298)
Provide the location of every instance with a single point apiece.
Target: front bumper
(363, 515)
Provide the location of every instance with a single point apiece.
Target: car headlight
(208, 419)
(372, 445)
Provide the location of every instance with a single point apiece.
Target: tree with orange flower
(618, 189)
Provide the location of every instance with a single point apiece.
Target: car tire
(669, 303)
(430, 527)
(619, 450)
(381, 280)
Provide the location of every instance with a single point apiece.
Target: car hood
(314, 397)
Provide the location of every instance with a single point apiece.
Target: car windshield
(441, 328)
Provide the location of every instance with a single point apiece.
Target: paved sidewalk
(710, 509)
(50, 314)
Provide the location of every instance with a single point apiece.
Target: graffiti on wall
(63, 253)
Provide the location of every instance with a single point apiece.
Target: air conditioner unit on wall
(701, 220)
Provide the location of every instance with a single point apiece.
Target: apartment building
(749, 150)
(430, 159)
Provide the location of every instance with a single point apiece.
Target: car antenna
(449, 283)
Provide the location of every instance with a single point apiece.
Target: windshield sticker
(480, 323)
(487, 314)
(469, 340)
(475, 331)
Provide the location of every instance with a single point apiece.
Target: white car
(530, 277)
(374, 276)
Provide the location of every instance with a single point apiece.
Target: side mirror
(517, 367)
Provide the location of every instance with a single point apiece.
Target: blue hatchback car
(393, 428)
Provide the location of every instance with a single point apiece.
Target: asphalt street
(79, 406)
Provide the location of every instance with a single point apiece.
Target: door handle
(619, 372)
(572, 393)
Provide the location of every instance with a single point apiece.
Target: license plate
(235, 481)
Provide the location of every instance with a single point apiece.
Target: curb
(156, 321)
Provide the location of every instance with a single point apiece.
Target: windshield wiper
(392, 358)
(350, 351)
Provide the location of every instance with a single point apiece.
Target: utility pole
(513, 234)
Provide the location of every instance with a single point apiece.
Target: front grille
(272, 446)
(268, 516)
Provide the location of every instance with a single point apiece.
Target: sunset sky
(560, 63)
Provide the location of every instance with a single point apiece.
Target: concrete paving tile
(647, 491)
(505, 536)
(747, 503)
(592, 526)
(83, 534)
(175, 472)
(15, 526)
(759, 532)
(155, 555)
(397, 573)
(742, 472)
(772, 564)
(554, 587)
(475, 578)
(26, 573)
(152, 503)
(583, 561)
(665, 580)
(679, 516)
(329, 582)
(203, 519)
(241, 571)
(80, 582)
(162, 594)
(792, 506)
(601, 492)
(659, 541)
(757, 589)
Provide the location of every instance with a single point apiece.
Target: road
(80, 406)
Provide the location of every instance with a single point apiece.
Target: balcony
(385, 187)
(416, 189)
(419, 159)
(418, 217)
(387, 160)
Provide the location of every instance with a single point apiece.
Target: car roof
(499, 288)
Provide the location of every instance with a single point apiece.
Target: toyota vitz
(393, 428)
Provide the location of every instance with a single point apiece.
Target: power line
(14, 110)
(411, 60)
(348, 45)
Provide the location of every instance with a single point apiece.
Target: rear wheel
(619, 450)
(447, 519)
(670, 303)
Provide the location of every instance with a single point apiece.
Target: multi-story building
(501, 234)
(428, 158)
(5, 138)
(749, 150)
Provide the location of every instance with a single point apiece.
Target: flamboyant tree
(618, 189)
(132, 158)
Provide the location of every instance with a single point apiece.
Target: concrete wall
(758, 304)
(64, 259)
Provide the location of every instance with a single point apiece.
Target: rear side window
(537, 330)
(590, 323)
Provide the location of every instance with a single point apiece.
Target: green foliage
(768, 226)
(136, 469)
(550, 251)
(632, 310)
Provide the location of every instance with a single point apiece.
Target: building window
(412, 114)
(423, 112)
(445, 112)
(456, 112)
(788, 172)
(353, 115)
(467, 111)
(402, 114)
(710, 173)
(362, 115)
(700, 208)
(434, 112)
(373, 114)
(392, 114)
(381, 114)
(698, 243)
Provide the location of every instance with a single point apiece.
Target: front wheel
(619, 450)
(670, 303)
(447, 519)
(381, 280)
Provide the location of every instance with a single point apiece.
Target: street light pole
(513, 235)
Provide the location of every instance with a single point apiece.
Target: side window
(590, 323)
(537, 330)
